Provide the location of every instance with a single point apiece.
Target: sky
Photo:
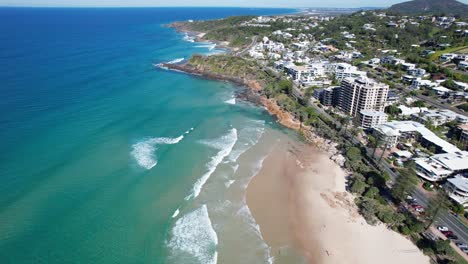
(238, 3)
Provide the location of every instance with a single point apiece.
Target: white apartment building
(457, 189)
(371, 118)
(395, 131)
(359, 94)
(440, 166)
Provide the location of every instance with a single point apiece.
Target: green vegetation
(417, 7)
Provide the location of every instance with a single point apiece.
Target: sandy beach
(300, 203)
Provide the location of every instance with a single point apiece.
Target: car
(447, 233)
(465, 250)
(452, 237)
(419, 209)
(417, 206)
(461, 245)
(442, 228)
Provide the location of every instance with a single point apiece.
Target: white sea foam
(193, 235)
(176, 213)
(160, 65)
(246, 215)
(225, 145)
(144, 152)
(209, 46)
(175, 61)
(188, 38)
(229, 183)
(248, 137)
(232, 101)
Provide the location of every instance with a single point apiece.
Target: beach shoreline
(299, 197)
(300, 202)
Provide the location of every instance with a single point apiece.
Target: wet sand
(300, 203)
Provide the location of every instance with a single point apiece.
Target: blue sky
(240, 3)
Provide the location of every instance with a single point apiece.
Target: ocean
(106, 159)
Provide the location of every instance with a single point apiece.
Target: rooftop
(460, 182)
(394, 128)
(373, 113)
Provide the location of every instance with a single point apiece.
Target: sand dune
(299, 201)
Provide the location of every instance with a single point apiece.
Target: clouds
(237, 3)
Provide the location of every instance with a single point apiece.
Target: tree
(419, 103)
(358, 186)
(368, 210)
(442, 246)
(371, 192)
(354, 154)
(405, 184)
(392, 110)
(372, 141)
(437, 205)
(458, 208)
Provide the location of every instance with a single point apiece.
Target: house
(441, 166)
(408, 66)
(392, 98)
(408, 111)
(371, 118)
(447, 57)
(422, 83)
(409, 79)
(393, 132)
(440, 90)
(374, 61)
(457, 189)
(296, 72)
(439, 117)
(391, 60)
(328, 96)
(417, 72)
(463, 65)
(460, 85)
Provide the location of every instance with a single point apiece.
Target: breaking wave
(188, 38)
(225, 145)
(175, 61)
(144, 152)
(232, 101)
(249, 137)
(210, 47)
(176, 213)
(193, 236)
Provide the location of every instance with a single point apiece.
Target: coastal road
(242, 52)
(445, 219)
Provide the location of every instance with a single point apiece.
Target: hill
(446, 7)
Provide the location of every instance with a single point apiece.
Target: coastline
(198, 36)
(300, 202)
(253, 92)
(299, 197)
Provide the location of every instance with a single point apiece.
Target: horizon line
(264, 7)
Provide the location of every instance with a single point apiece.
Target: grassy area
(436, 55)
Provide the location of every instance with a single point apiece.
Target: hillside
(447, 7)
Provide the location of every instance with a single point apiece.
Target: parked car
(465, 250)
(442, 228)
(447, 233)
(461, 245)
(452, 237)
(419, 209)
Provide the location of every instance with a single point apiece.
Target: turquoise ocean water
(105, 159)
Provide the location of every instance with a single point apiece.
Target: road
(445, 219)
(242, 52)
